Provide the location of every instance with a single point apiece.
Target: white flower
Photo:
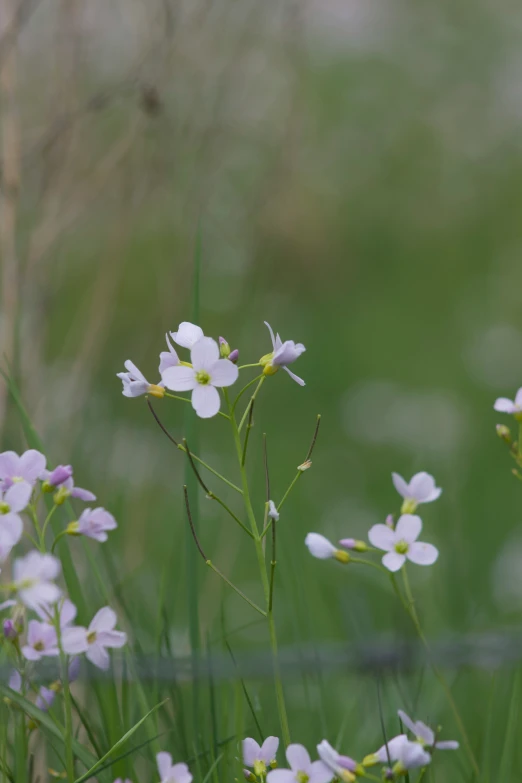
(283, 354)
(12, 501)
(503, 405)
(322, 548)
(391, 751)
(425, 735)
(93, 523)
(272, 511)
(168, 358)
(33, 577)
(28, 467)
(134, 382)
(41, 640)
(66, 613)
(342, 766)
(172, 773)
(208, 372)
(259, 757)
(421, 489)
(187, 335)
(301, 768)
(401, 544)
(410, 755)
(94, 640)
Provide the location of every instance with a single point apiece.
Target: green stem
(224, 505)
(247, 409)
(409, 605)
(234, 588)
(243, 390)
(244, 366)
(69, 755)
(519, 441)
(211, 470)
(363, 561)
(45, 524)
(58, 537)
(281, 706)
(290, 488)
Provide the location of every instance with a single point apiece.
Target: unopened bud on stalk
(224, 348)
(504, 433)
(10, 631)
(354, 544)
(389, 521)
(305, 465)
(249, 776)
(234, 356)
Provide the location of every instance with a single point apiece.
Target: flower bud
(306, 465)
(504, 433)
(389, 521)
(234, 356)
(61, 496)
(224, 348)
(249, 776)
(353, 543)
(342, 557)
(10, 631)
(59, 475)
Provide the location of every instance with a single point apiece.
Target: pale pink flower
(172, 773)
(33, 579)
(94, 523)
(259, 757)
(207, 374)
(387, 753)
(514, 407)
(187, 335)
(41, 641)
(323, 549)
(168, 358)
(425, 735)
(27, 467)
(134, 382)
(421, 489)
(96, 639)
(401, 544)
(284, 353)
(342, 766)
(301, 768)
(66, 612)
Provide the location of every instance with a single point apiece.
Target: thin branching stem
(247, 433)
(251, 402)
(300, 471)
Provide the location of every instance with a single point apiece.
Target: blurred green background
(353, 173)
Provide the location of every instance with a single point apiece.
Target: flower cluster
(399, 541)
(212, 366)
(397, 756)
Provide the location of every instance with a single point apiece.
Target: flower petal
(32, 465)
(269, 749)
(281, 776)
(382, 537)
(11, 529)
(408, 528)
(99, 656)
(295, 377)
(320, 773)
(9, 461)
(136, 374)
(407, 721)
(74, 640)
(187, 335)
(503, 405)
(104, 620)
(298, 758)
(271, 334)
(164, 762)
(400, 485)
(205, 401)
(17, 497)
(224, 373)
(179, 378)
(204, 354)
(393, 561)
(181, 774)
(391, 749)
(287, 353)
(518, 398)
(447, 745)
(112, 638)
(422, 487)
(422, 554)
(251, 751)
(82, 494)
(320, 547)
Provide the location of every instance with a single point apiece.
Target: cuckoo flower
(66, 612)
(172, 773)
(28, 467)
(342, 766)
(207, 374)
(61, 478)
(135, 384)
(33, 579)
(401, 544)
(44, 700)
(426, 736)
(187, 335)
(168, 358)
(93, 523)
(323, 549)
(421, 489)
(12, 502)
(95, 639)
(387, 753)
(41, 641)
(283, 354)
(302, 769)
(514, 407)
(410, 755)
(260, 757)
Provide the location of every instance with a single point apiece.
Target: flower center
(4, 508)
(91, 637)
(259, 768)
(401, 547)
(202, 377)
(39, 646)
(302, 777)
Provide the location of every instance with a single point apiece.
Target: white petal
(112, 638)
(32, 465)
(98, 656)
(422, 554)
(408, 528)
(298, 758)
(422, 486)
(164, 762)
(407, 722)
(412, 755)
(17, 497)
(518, 398)
(424, 732)
(382, 537)
(251, 751)
(74, 640)
(400, 485)
(104, 620)
(205, 401)
(168, 359)
(137, 375)
(205, 354)
(281, 776)
(9, 462)
(179, 378)
(320, 547)
(287, 353)
(269, 749)
(187, 335)
(223, 373)
(180, 774)
(447, 745)
(11, 529)
(503, 405)
(393, 561)
(294, 377)
(392, 749)
(320, 773)
(271, 334)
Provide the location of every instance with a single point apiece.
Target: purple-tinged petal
(17, 497)
(294, 377)
(11, 529)
(44, 700)
(251, 751)
(287, 353)
(224, 373)
(30, 653)
(269, 749)
(97, 655)
(112, 638)
(422, 554)
(393, 561)
(32, 464)
(298, 758)
(408, 528)
(422, 488)
(518, 398)
(187, 335)
(204, 354)
(381, 537)
(447, 745)
(281, 776)
(59, 475)
(392, 749)
(181, 774)
(104, 620)
(82, 494)
(74, 640)
(136, 374)
(179, 378)
(9, 462)
(319, 546)
(407, 721)
(400, 485)
(206, 401)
